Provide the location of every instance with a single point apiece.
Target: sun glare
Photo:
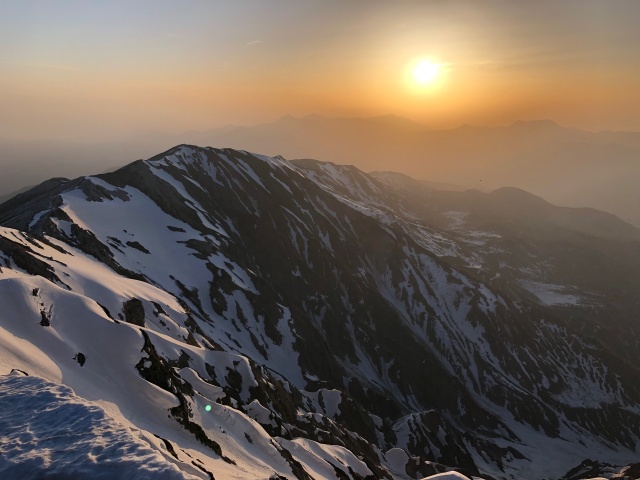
(425, 71)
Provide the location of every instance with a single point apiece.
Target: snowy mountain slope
(325, 315)
(60, 435)
(113, 351)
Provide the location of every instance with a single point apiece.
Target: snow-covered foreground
(128, 416)
(83, 304)
(46, 431)
(49, 432)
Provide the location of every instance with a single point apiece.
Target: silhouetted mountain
(566, 166)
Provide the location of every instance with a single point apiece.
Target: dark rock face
(588, 469)
(631, 471)
(442, 323)
(25, 259)
(134, 312)
(80, 358)
(45, 318)
(19, 210)
(138, 246)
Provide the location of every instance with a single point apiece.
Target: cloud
(253, 42)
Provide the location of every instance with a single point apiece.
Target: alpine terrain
(212, 313)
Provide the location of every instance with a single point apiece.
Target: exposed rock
(134, 312)
(80, 358)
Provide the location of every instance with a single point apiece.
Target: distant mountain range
(566, 166)
(223, 314)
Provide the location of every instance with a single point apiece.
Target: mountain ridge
(325, 285)
(564, 165)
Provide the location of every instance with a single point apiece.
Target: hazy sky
(103, 69)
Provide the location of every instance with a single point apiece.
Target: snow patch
(551, 295)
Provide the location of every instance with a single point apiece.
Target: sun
(425, 71)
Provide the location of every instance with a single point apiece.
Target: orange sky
(99, 70)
